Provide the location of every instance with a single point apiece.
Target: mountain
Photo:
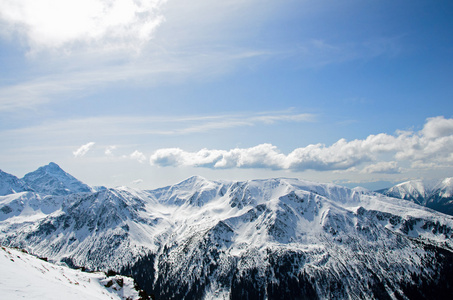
(52, 180)
(10, 184)
(259, 239)
(437, 195)
(26, 276)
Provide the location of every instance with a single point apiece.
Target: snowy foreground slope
(26, 276)
(259, 239)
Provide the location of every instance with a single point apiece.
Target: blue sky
(147, 93)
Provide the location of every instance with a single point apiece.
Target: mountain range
(259, 239)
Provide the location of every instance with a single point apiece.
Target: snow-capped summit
(435, 194)
(52, 180)
(195, 190)
(10, 184)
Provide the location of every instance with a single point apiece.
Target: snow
(260, 212)
(26, 276)
(415, 189)
(10, 184)
(189, 225)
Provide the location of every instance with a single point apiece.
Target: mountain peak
(52, 168)
(53, 180)
(53, 165)
(192, 179)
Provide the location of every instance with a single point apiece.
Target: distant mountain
(52, 180)
(437, 195)
(10, 184)
(258, 239)
(26, 276)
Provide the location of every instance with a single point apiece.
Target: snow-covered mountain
(10, 184)
(259, 239)
(52, 180)
(26, 276)
(435, 194)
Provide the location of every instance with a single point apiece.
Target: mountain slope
(28, 204)
(26, 276)
(10, 184)
(437, 195)
(52, 180)
(274, 239)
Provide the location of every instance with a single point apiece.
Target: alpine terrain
(437, 195)
(258, 239)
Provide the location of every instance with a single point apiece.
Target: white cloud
(385, 167)
(138, 181)
(341, 156)
(430, 146)
(139, 156)
(109, 150)
(83, 149)
(438, 127)
(265, 155)
(83, 23)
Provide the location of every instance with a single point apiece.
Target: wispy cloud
(101, 127)
(137, 181)
(109, 150)
(322, 52)
(32, 93)
(431, 145)
(82, 150)
(383, 167)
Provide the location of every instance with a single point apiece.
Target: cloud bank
(429, 147)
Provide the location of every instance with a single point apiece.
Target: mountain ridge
(10, 184)
(435, 194)
(251, 239)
